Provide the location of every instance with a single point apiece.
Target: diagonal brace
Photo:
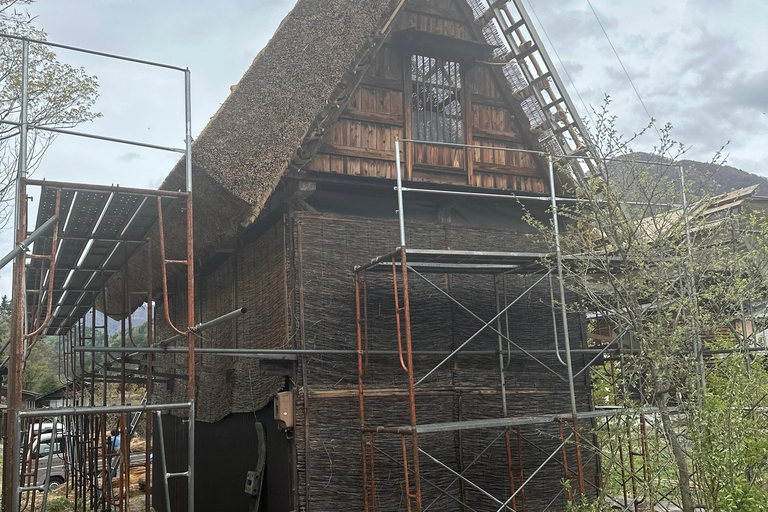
(470, 464)
(485, 326)
(541, 466)
(465, 479)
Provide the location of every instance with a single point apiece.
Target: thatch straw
(273, 118)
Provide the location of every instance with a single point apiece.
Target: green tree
(5, 319)
(5, 305)
(40, 368)
(674, 278)
(731, 448)
(60, 96)
(47, 383)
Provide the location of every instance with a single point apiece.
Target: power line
(653, 123)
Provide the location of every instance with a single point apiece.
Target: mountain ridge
(703, 178)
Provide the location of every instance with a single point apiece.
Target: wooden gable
(362, 142)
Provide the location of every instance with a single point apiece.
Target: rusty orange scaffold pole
(16, 360)
(369, 484)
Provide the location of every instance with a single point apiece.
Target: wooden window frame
(432, 123)
(466, 53)
(466, 108)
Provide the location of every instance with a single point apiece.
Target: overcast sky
(699, 64)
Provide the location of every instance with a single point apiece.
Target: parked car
(58, 471)
(47, 427)
(41, 450)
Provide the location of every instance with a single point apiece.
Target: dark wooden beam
(506, 169)
(489, 101)
(407, 86)
(372, 117)
(469, 130)
(480, 133)
(357, 152)
(420, 7)
(444, 169)
(382, 83)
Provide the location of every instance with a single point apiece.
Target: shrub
(59, 505)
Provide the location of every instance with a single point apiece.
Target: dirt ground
(63, 501)
(58, 502)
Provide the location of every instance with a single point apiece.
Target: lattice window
(436, 106)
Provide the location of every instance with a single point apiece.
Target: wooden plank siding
(437, 16)
(362, 141)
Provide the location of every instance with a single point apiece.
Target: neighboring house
(54, 398)
(708, 213)
(746, 202)
(293, 181)
(29, 397)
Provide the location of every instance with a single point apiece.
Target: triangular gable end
(317, 69)
(314, 71)
(387, 105)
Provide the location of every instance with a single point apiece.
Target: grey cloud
(751, 93)
(712, 55)
(574, 67)
(617, 80)
(757, 165)
(704, 81)
(129, 157)
(703, 94)
(572, 21)
(709, 5)
(646, 44)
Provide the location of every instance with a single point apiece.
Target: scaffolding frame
(402, 262)
(448, 261)
(36, 311)
(405, 260)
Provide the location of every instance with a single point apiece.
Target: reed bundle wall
(304, 298)
(253, 278)
(466, 388)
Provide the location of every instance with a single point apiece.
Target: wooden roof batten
(557, 114)
(438, 45)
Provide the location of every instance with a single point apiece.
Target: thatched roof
(705, 213)
(274, 117)
(293, 81)
(273, 120)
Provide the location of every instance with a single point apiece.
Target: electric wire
(621, 63)
(587, 109)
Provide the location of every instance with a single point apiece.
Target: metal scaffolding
(629, 451)
(401, 264)
(533, 75)
(85, 234)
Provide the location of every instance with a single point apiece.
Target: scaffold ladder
(515, 467)
(136, 416)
